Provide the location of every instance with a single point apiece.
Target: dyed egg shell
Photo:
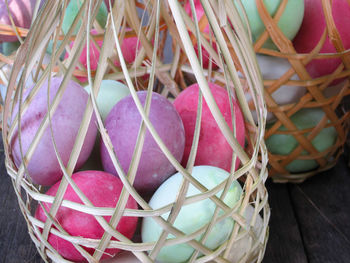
(289, 22)
(243, 246)
(283, 144)
(103, 190)
(72, 11)
(129, 48)
(9, 47)
(110, 93)
(21, 13)
(312, 29)
(213, 148)
(43, 168)
(239, 248)
(123, 124)
(272, 68)
(192, 216)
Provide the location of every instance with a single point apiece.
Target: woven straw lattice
(153, 22)
(335, 113)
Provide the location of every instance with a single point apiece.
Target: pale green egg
(289, 22)
(110, 93)
(192, 216)
(71, 12)
(284, 144)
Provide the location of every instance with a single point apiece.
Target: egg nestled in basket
(43, 167)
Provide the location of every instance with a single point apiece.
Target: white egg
(242, 246)
(5, 72)
(272, 68)
(110, 93)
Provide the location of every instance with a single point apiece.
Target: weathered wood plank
(15, 243)
(322, 206)
(285, 242)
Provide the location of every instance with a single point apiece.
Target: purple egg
(123, 124)
(43, 167)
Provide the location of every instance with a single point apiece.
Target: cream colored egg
(272, 68)
(110, 93)
(5, 73)
(242, 246)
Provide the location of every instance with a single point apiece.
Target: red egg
(213, 148)
(312, 29)
(103, 190)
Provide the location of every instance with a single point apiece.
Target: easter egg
(243, 246)
(192, 216)
(5, 73)
(284, 144)
(272, 68)
(213, 148)
(110, 93)
(311, 32)
(43, 167)
(289, 23)
(21, 12)
(103, 190)
(9, 47)
(205, 30)
(129, 48)
(123, 124)
(72, 11)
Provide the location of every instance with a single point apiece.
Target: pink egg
(43, 168)
(123, 123)
(128, 47)
(103, 190)
(213, 148)
(21, 12)
(206, 30)
(312, 29)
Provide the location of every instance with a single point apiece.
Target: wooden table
(310, 222)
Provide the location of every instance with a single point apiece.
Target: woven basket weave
(316, 93)
(249, 235)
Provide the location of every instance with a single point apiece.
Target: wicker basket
(246, 240)
(323, 93)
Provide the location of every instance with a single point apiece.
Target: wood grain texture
(285, 238)
(323, 211)
(15, 243)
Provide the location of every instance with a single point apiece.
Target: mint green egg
(283, 144)
(72, 11)
(9, 47)
(289, 22)
(192, 216)
(111, 91)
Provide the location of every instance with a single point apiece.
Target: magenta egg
(103, 190)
